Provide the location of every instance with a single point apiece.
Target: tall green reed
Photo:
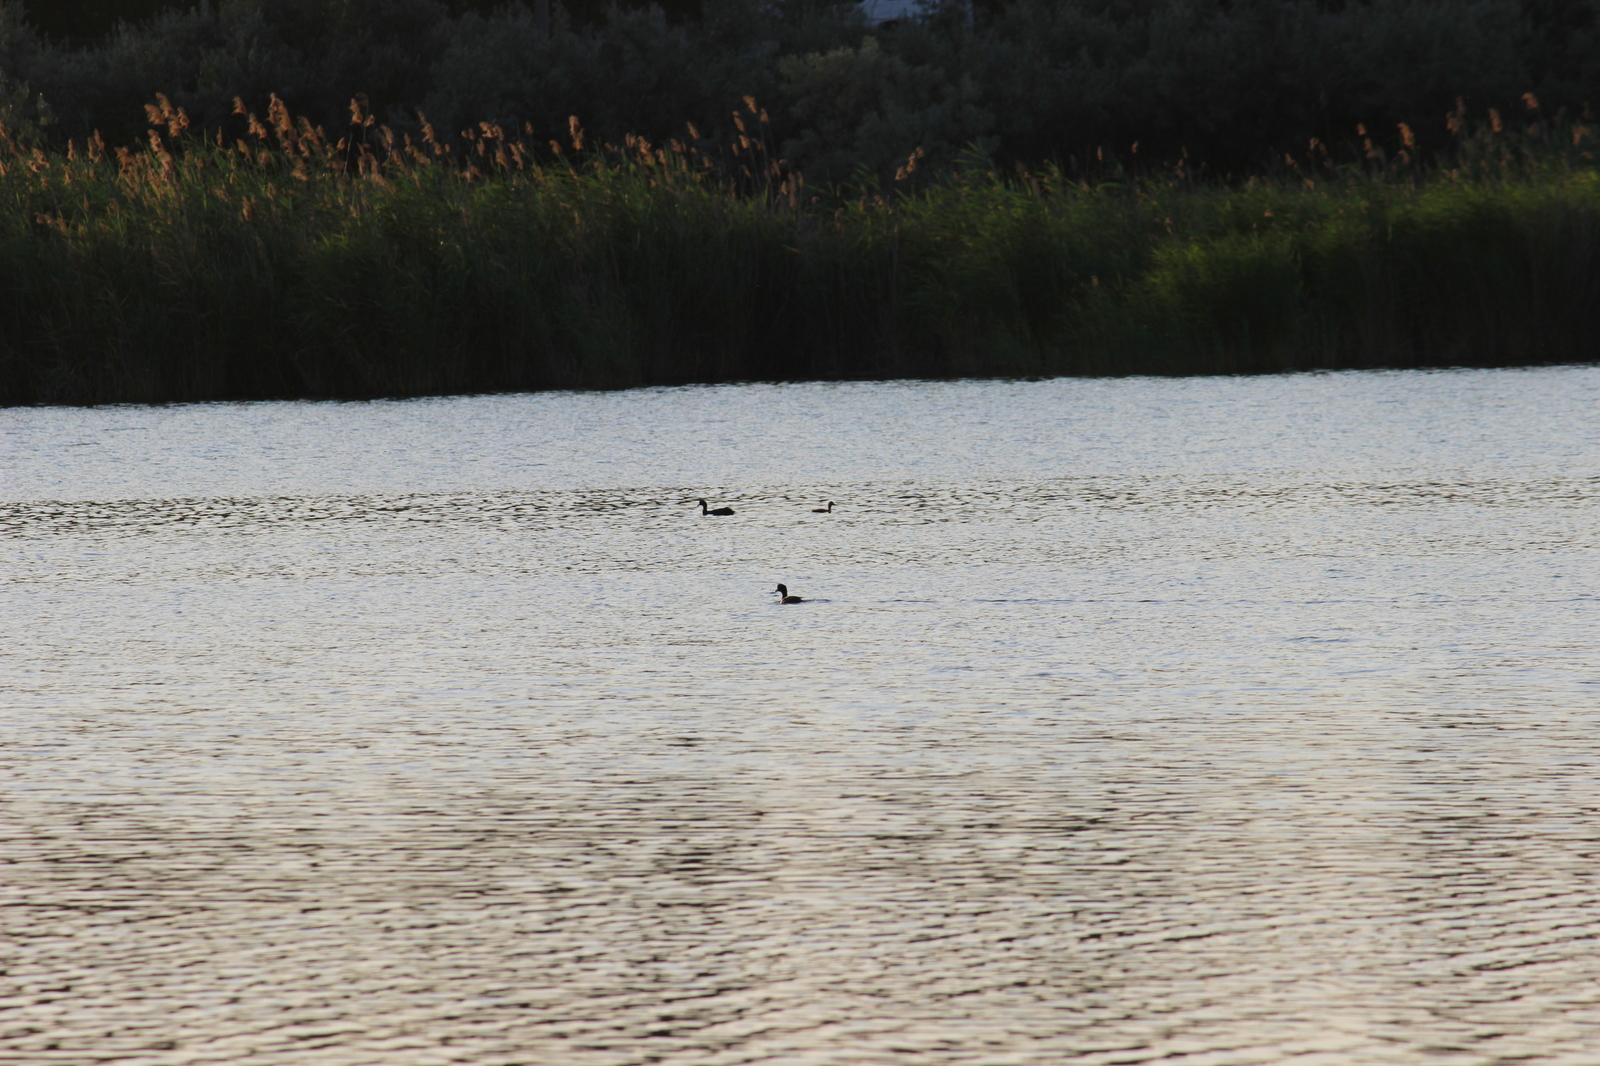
(294, 263)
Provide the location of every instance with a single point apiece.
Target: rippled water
(1200, 721)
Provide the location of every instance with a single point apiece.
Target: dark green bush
(1231, 84)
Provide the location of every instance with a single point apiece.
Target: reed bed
(291, 263)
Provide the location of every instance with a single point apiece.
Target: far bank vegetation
(1074, 223)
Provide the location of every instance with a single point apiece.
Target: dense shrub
(1229, 83)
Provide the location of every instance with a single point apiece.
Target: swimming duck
(823, 510)
(719, 510)
(784, 597)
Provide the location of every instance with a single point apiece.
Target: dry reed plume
(291, 261)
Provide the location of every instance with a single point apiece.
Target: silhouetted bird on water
(784, 597)
(719, 510)
(823, 510)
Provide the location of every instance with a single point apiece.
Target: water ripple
(1262, 731)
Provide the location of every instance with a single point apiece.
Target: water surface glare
(1218, 721)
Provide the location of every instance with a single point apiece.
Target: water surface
(1139, 721)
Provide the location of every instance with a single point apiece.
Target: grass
(290, 264)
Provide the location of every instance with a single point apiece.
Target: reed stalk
(293, 263)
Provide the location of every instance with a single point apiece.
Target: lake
(1201, 721)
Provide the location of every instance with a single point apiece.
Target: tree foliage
(1231, 84)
